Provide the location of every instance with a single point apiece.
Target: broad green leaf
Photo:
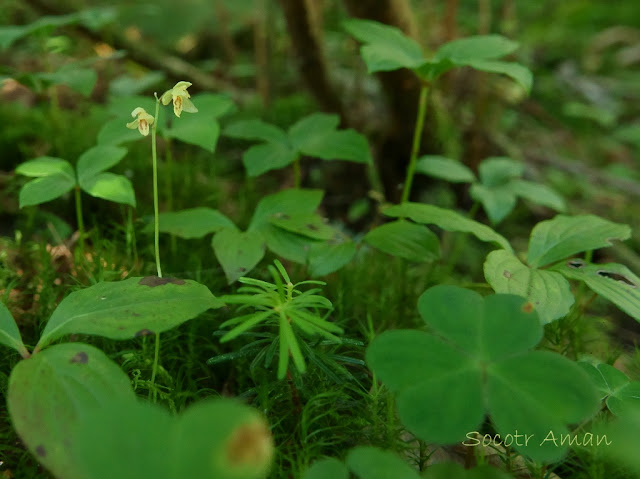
(479, 47)
(46, 166)
(309, 225)
(563, 236)
(498, 170)
(306, 130)
(222, 439)
(79, 79)
(612, 281)
(211, 105)
(96, 160)
(406, 240)
(497, 201)
(386, 48)
(492, 328)
(288, 245)
(238, 252)
(195, 129)
(447, 220)
(9, 332)
(622, 396)
(110, 186)
(316, 136)
(215, 439)
(256, 130)
(327, 468)
(605, 377)
(547, 291)
(287, 202)
(629, 133)
(129, 308)
(53, 392)
(193, 222)
(45, 189)
(127, 84)
(325, 257)
(368, 462)
(11, 33)
(626, 400)
(537, 394)
(480, 362)
(445, 168)
(519, 73)
(538, 193)
(266, 157)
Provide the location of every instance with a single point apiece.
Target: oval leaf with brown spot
(548, 292)
(121, 309)
(53, 391)
(218, 439)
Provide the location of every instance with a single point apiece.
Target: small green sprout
(180, 97)
(142, 121)
(282, 305)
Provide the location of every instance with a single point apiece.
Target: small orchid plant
(145, 122)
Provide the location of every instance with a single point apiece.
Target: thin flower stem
(155, 189)
(156, 355)
(417, 137)
(80, 220)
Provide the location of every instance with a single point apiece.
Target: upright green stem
(80, 220)
(156, 355)
(155, 189)
(297, 175)
(417, 137)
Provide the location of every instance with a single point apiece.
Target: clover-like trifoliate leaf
(549, 292)
(478, 360)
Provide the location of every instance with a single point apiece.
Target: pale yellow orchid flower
(142, 121)
(180, 97)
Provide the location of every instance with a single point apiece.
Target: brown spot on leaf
(80, 358)
(136, 314)
(312, 227)
(575, 263)
(143, 332)
(250, 445)
(527, 307)
(616, 277)
(41, 451)
(153, 281)
(282, 216)
(507, 274)
(241, 269)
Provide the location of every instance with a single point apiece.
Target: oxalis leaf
(612, 281)
(53, 391)
(621, 395)
(217, 439)
(129, 308)
(478, 360)
(9, 333)
(447, 220)
(563, 236)
(549, 292)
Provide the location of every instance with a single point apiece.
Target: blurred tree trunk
(401, 88)
(304, 24)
